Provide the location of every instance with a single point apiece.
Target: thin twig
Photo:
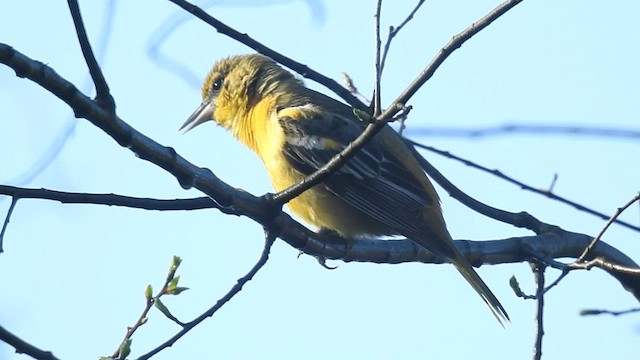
(606, 226)
(605, 265)
(524, 186)
(394, 31)
(331, 166)
(66, 197)
(378, 70)
(60, 140)
(538, 271)
(564, 273)
(103, 95)
(587, 312)
(166, 289)
(14, 201)
(353, 89)
(455, 43)
(554, 180)
(512, 128)
(269, 240)
(23, 347)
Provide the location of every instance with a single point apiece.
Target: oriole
(381, 190)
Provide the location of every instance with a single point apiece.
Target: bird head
(234, 85)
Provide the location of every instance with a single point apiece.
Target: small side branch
(7, 218)
(590, 312)
(103, 94)
(377, 68)
(538, 272)
(606, 226)
(393, 31)
(455, 43)
(269, 240)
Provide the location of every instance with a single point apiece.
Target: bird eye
(217, 84)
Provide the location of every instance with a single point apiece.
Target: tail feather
(464, 267)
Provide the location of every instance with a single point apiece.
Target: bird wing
(373, 180)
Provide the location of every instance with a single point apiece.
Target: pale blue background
(74, 275)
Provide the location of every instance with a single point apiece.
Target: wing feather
(373, 181)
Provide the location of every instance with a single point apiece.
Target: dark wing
(373, 181)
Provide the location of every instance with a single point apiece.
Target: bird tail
(464, 267)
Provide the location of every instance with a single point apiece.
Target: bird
(381, 191)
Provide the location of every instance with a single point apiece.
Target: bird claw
(323, 262)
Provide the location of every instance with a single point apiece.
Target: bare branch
(7, 218)
(444, 53)
(269, 240)
(332, 165)
(605, 265)
(522, 219)
(587, 312)
(103, 95)
(378, 70)
(245, 39)
(606, 226)
(511, 128)
(564, 273)
(393, 31)
(111, 199)
(546, 193)
(23, 347)
(538, 272)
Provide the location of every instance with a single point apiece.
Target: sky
(74, 275)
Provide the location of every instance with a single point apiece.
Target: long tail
(464, 267)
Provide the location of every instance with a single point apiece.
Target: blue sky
(74, 275)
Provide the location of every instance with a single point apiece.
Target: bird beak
(203, 113)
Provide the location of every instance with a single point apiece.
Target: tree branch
(393, 31)
(245, 39)
(512, 128)
(23, 347)
(377, 109)
(103, 95)
(538, 272)
(455, 43)
(7, 218)
(522, 219)
(547, 193)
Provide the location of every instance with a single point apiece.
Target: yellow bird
(381, 190)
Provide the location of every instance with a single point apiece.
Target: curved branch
(554, 243)
(23, 347)
(521, 219)
(245, 39)
(547, 193)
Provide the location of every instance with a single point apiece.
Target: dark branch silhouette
(524, 128)
(546, 193)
